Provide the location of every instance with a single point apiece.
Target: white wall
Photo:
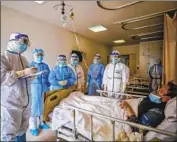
(133, 52)
(54, 40)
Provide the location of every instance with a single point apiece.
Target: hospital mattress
(53, 98)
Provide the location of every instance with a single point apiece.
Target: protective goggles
(39, 54)
(97, 58)
(115, 56)
(61, 59)
(75, 59)
(24, 40)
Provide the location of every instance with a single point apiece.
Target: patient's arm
(127, 107)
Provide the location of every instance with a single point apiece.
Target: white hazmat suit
(115, 76)
(15, 91)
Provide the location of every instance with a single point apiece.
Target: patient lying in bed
(63, 116)
(151, 109)
(102, 128)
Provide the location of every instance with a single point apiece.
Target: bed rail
(105, 93)
(76, 135)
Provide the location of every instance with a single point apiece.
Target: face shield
(61, 60)
(96, 59)
(22, 40)
(18, 43)
(38, 56)
(74, 60)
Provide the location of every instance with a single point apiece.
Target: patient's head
(168, 92)
(164, 94)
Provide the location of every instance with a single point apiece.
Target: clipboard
(35, 74)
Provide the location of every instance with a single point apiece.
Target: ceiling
(88, 13)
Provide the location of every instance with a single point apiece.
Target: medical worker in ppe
(155, 74)
(78, 71)
(15, 90)
(38, 87)
(95, 75)
(116, 75)
(61, 76)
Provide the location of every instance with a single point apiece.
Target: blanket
(102, 128)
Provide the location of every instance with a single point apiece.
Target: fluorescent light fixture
(39, 2)
(119, 41)
(97, 28)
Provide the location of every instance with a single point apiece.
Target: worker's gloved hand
(29, 71)
(123, 88)
(104, 87)
(26, 71)
(32, 78)
(63, 82)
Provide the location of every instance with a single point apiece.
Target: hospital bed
(68, 133)
(53, 98)
(138, 85)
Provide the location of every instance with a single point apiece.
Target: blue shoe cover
(44, 126)
(34, 132)
(21, 138)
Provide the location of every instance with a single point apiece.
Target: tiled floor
(44, 135)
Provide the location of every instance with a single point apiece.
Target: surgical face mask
(61, 63)
(115, 60)
(96, 61)
(75, 63)
(38, 59)
(155, 98)
(22, 48)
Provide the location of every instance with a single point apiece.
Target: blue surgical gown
(94, 78)
(39, 85)
(60, 74)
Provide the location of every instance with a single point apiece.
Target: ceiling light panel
(119, 41)
(39, 2)
(98, 28)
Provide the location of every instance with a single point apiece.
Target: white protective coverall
(15, 97)
(79, 73)
(116, 77)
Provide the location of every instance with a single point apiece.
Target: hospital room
(88, 70)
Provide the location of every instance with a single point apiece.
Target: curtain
(170, 49)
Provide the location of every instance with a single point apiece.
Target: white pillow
(134, 103)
